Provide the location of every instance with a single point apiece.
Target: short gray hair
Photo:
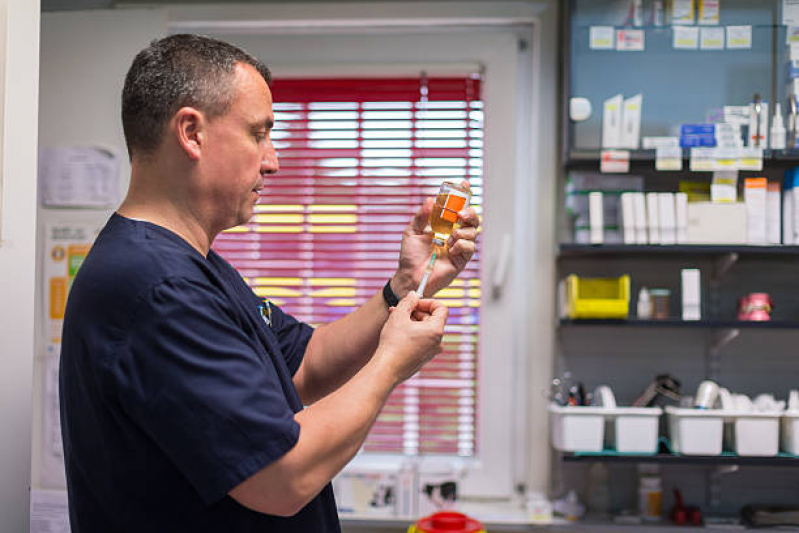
(174, 72)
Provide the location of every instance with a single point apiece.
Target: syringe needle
(423, 284)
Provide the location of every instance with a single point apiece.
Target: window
(358, 157)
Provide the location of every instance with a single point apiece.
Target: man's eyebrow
(269, 123)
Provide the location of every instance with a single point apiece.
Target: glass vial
(450, 200)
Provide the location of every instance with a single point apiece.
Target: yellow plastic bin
(597, 297)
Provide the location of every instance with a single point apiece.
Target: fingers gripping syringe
(427, 271)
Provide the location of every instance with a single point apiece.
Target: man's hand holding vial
(445, 226)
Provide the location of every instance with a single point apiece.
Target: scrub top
(175, 386)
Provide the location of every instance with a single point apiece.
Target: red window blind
(358, 156)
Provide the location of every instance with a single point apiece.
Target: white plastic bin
(755, 434)
(696, 431)
(577, 428)
(635, 429)
(790, 432)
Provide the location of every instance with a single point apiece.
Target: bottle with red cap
(447, 522)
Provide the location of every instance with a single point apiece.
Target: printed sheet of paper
(49, 513)
(52, 473)
(66, 246)
(601, 38)
(711, 39)
(685, 37)
(790, 12)
(78, 177)
(630, 41)
(739, 37)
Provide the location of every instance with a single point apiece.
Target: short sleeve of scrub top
(201, 388)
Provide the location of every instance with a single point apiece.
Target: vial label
(453, 203)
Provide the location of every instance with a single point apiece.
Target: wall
(84, 58)
(17, 238)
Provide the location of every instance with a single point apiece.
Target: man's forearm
(337, 351)
(331, 432)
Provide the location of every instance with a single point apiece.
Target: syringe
(427, 271)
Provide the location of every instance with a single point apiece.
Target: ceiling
(75, 5)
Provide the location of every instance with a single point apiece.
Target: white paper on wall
(739, 37)
(790, 12)
(52, 451)
(66, 246)
(49, 513)
(79, 177)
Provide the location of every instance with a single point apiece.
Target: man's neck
(161, 215)
(165, 209)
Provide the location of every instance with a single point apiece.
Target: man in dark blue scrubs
(182, 392)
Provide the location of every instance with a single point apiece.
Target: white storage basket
(696, 431)
(754, 434)
(635, 429)
(577, 428)
(790, 432)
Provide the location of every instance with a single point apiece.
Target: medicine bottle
(650, 493)
(644, 304)
(451, 199)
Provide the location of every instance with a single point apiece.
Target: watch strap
(388, 295)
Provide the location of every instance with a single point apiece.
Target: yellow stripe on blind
(279, 219)
(279, 229)
(333, 229)
(332, 282)
(332, 207)
(333, 219)
(278, 208)
(270, 292)
(334, 292)
(449, 292)
(342, 302)
(237, 229)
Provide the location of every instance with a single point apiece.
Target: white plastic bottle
(650, 493)
(598, 493)
(644, 304)
(778, 129)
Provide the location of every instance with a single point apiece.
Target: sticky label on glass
(454, 203)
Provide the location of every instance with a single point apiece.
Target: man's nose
(269, 163)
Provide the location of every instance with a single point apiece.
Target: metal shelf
(569, 250)
(582, 157)
(676, 323)
(726, 458)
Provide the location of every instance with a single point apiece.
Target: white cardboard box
(691, 294)
(437, 488)
(755, 201)
(367, 491)
(710, 223)
(667, 218)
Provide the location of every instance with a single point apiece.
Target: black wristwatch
(388, 295)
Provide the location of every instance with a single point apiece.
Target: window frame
(502, 413)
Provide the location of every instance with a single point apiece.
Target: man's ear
(189, 124)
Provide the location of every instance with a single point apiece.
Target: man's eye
(260, 136)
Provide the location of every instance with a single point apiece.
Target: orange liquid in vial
(445, 214)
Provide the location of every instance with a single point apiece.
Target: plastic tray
(597, 297)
